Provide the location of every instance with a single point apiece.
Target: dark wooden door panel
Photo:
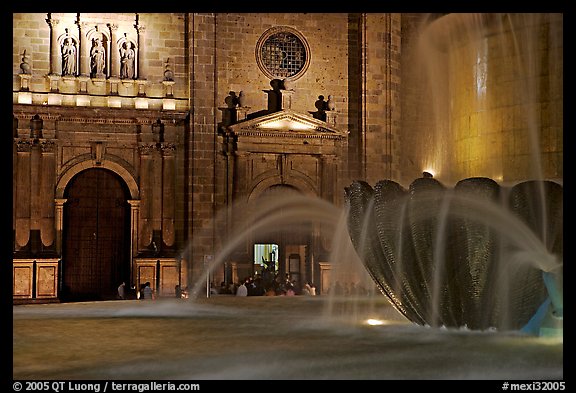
(95, 236)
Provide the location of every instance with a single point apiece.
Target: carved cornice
(165, 148)
(98, 115)
(168, 149)
(94, 120)
(23, 145)
(29, 116)
(146, 148)
(48, 146)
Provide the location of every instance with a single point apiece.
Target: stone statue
(24, 66)
(127, 56)
(97, 58)
(68, 57)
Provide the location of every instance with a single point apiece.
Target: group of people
(145, 293)
(258, 286)
(255, 286)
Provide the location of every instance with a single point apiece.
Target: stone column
(35, 159)
(54, 49)
(84, 51)
(59, 222)
(134, 224)
(22, 194)
(36, 126)
(230, 153)
(168, 194)
(115, 52)
(81, 44)
(156, 172)
(47, 187)
(140, 70)
(146, 195)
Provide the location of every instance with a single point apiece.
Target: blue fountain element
(548, 321)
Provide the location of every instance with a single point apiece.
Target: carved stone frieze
(146, 148)
(48, 146)
(23, 145)
(168, 148)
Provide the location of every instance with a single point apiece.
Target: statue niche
(127, 60)
(97, 59)
(69, 54)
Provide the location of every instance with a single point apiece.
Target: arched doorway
(290, 242)
(96, 236)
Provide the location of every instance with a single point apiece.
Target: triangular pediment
(288, 123)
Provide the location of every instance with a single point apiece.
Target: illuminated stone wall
(483, 97)
(507, 117)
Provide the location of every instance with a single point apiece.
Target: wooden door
(96, 236)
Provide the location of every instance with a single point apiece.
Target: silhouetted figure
(321, 106)
(231, 100)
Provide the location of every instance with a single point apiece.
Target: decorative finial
(24, 66)
(241, 99)
(331, 105)
(287, 84)
(168, 74)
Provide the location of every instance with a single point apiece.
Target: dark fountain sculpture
(477, 256)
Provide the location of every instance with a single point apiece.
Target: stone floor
(256, 338)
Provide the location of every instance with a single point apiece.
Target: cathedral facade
(137, 135)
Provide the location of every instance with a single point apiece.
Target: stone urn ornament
(288, 84)
(241, 99)
(331, 105)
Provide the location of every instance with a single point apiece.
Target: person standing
(242, 290)
(146, 292)
(122, 291)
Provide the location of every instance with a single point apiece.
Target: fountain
(464, 257)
